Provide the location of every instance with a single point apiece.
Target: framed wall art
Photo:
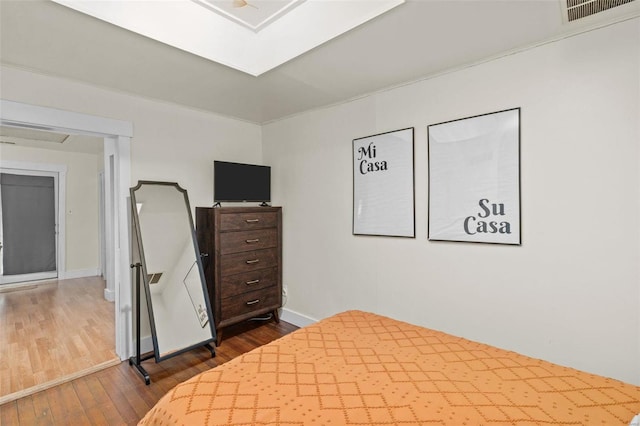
(383, 184)
(474, 179)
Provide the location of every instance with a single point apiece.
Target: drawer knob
(255, 240)
(249, 262)
(253, 302)
(252, 282)
(252, 220)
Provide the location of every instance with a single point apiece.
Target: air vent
(578, 9)
(154, 278)
(18, 134)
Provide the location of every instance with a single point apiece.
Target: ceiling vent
(19, 134)
(578, 9)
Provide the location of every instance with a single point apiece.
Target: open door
(28, 228)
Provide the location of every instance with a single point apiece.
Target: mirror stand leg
(141, 370)
(137, 359)
(211, 349)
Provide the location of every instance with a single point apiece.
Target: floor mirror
(168, 266)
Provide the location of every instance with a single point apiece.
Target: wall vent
(154, 278)
(578, 9)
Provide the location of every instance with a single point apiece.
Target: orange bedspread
(358, 368)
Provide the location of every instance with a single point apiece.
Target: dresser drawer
(252, 301)
(235, 242)
(232, 285)
(246, 221)
(248, 261)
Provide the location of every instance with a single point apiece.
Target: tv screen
(241, 182)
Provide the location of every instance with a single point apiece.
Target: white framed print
(474, 179)
(383, 184)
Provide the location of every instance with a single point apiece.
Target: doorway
(58, 316)
(117, 139)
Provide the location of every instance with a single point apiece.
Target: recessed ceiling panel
(287, 29)
(253, 14)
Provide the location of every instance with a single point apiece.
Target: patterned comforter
(358, 368)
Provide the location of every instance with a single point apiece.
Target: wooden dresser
(243, 262)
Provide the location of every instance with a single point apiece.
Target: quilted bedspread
(357, 368)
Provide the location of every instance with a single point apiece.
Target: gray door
(28, 227)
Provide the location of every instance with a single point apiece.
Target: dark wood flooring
(118, 395)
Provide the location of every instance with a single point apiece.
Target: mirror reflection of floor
(52, 333)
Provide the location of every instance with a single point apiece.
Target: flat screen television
(237, 182)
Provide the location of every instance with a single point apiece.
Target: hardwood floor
(52, 332)
(118, 395)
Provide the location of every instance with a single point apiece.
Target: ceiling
(415, 40)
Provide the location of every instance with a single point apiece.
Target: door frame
(101, 225)
(59, 173)
(117, 136)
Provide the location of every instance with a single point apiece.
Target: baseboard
(296, 318)
(80, 273)
(146, 345)
(109, 295)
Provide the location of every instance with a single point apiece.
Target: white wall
(570, 294)
(81, 202)
(170, 143)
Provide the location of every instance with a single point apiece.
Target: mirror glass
(179, 309)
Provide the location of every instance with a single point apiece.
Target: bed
(359, 368)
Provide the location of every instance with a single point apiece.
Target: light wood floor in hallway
(52, 332)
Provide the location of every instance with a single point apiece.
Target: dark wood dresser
(243, 262)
